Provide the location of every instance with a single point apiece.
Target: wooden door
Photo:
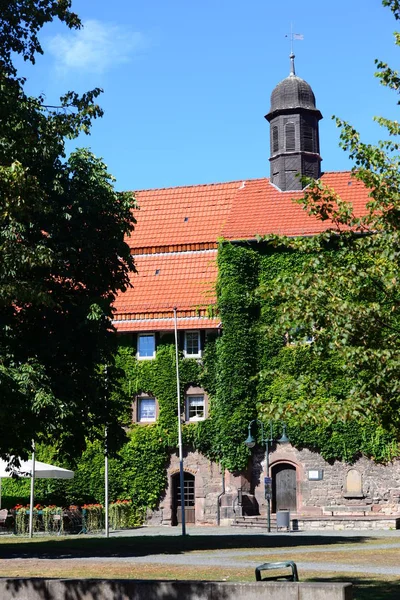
(189, 497)
(284, 487)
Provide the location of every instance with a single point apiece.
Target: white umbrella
(42, 470)
(33, 468)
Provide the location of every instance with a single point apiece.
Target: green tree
(347, 295)
(63, 257)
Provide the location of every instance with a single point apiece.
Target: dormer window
(192, 348)
(146, 346)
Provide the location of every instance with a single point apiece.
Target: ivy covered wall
(250, 371)
(280, 375)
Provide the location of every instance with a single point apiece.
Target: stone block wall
(208, 487)
(379, 486)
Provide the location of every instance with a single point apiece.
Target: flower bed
(89, 518)
(48, 519)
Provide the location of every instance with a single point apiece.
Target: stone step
(254, 521)
(311, 523)
(260, 521)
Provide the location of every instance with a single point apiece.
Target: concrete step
(260, 521)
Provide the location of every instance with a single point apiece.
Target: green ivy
(250, 371)
(235, 398)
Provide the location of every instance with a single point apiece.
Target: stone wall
(208, 487)
(364, 483)
(125, 589)
(379, 484)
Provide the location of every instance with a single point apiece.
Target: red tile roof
(260, 208)
(234, 210)
(177, 232)
(182, 215)
(184, 280)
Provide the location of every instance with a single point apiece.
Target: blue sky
(187, 83)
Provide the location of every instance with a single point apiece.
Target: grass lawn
(86, 557)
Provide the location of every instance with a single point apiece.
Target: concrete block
(125, 589)
(329, 591)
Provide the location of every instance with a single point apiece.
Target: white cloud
(96, 47)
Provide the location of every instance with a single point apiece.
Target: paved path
(231, 558)
(256, 531)
(190, 561)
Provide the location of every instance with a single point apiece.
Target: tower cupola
(294, 134)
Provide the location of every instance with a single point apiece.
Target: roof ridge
(349, 172)
(197, 185)
(216, 183)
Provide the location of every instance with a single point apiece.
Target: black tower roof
(292, 93)
(294, 136)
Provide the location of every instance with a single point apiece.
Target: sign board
(314, 475)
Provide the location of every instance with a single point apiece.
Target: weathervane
(293, 36)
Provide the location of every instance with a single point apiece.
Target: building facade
(176, 246)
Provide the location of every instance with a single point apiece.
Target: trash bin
(283, 519)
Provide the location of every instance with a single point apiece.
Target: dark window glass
(188, 491)
(146, 345)
(192, 343)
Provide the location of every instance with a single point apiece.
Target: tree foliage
(62, 252)
(347, 295)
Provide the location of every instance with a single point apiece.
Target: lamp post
(180, 451)
(267, 440)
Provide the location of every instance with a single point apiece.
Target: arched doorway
(189, 498)
(284, 488)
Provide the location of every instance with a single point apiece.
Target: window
(195, 408)
(146, 347)
(275, 139)
(290, 137)
(146, 410)
(192, 344)
(308, 138)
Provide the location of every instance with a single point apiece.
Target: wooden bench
(347, 509)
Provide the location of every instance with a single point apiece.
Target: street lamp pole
(180, 451)
(267, 481)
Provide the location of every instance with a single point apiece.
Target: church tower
(294, 136)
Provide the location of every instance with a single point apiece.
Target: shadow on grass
(81, 547)
(367, 589)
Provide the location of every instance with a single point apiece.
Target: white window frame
(139, 335)
(185, 352)
(138, 416)
(190, 419)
